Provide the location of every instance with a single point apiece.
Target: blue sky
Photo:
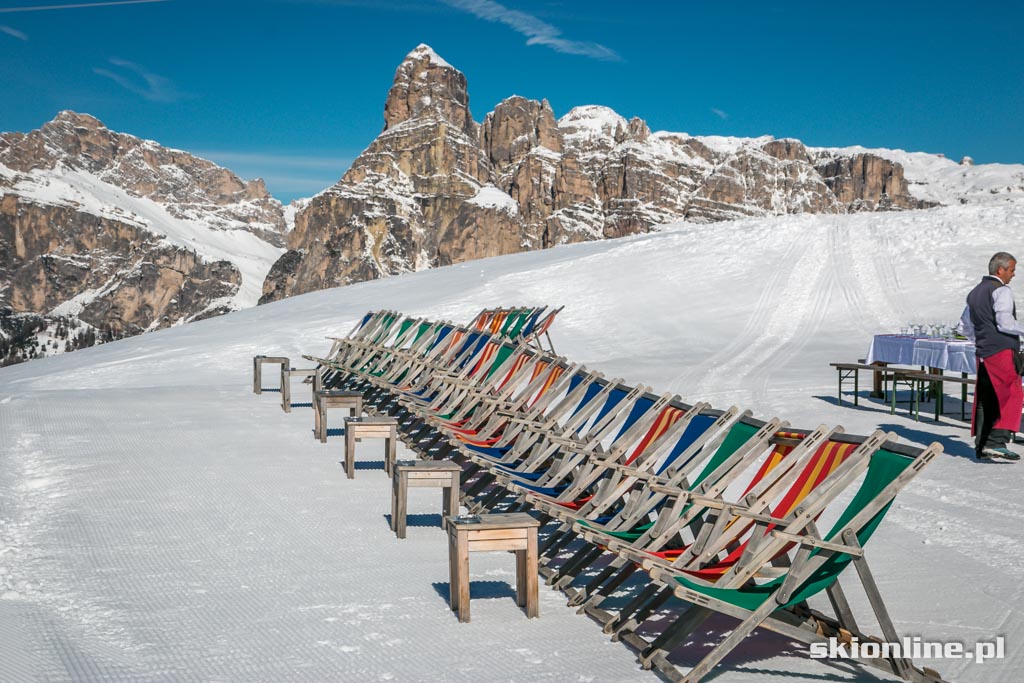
(292, 90)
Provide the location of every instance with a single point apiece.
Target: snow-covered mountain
(435, 187)
(104, 234)
(156, 516)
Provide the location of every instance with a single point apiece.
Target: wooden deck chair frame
(782, 610)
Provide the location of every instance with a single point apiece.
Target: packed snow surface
(158, 521)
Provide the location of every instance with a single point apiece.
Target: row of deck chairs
(656, 514)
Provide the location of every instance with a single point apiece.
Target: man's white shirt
(1002, 304)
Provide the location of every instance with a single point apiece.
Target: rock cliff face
(104, 235)
(435, 188)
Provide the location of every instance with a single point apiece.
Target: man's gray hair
(1000, 260)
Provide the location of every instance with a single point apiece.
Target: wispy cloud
(537, 32)
(81, 5)
(137, 79)
(13, 32)
(719, 113)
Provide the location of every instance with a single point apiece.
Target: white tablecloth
(948, 354)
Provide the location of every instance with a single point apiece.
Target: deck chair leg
(567, 572)
(483, 482)
(642, 615)
(556, 536)
(648, 592)
(903, 666)
(595, 592)
(841, 607)
(676, 633)
(745, 628)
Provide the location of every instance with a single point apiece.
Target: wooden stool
(358, 428)
(286, 383)
(257, 370)
(437, 473)
(513, 531)
(353, 400)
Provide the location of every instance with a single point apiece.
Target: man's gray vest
(987, 338)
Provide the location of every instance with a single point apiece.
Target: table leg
(463, 571)
(286, 389)
(391, 452)
(257, 376)
(450, 505)
(532, 599)
(877, 389)
(350, 454)
(403, 503)
(324, 407)
(453, 575)
(521, 569)
(317, 417)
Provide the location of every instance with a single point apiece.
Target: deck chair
(583, 419)
(735, 442)
(779, 604)
(726, 533)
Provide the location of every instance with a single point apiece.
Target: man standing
(990, 321)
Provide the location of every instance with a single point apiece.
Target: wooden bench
(257, 369)
(359, 428)
(443, 474)
(510, 531)
(937, 381)
(847, 370)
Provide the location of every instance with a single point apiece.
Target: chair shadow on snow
(480, 590)
(419, 519)
(958, 446)
(761, 646)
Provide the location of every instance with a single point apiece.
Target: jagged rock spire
(425, 84)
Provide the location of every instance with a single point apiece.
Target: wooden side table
(329, 398)
(433, 473)
(257, 369)
(512, 531)
(358, 428)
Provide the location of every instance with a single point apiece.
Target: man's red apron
(1006, 383)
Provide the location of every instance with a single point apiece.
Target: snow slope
(159, 521)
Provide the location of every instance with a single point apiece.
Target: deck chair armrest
(666, 490)
(315, 359)
(562, 440)
(739, 511)
(515, 418)
(493, 400)
(629, 470)
(818, 543)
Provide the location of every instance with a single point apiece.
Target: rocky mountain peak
(427, 85)
(515, 127)
(187, 186)
(429, 191)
